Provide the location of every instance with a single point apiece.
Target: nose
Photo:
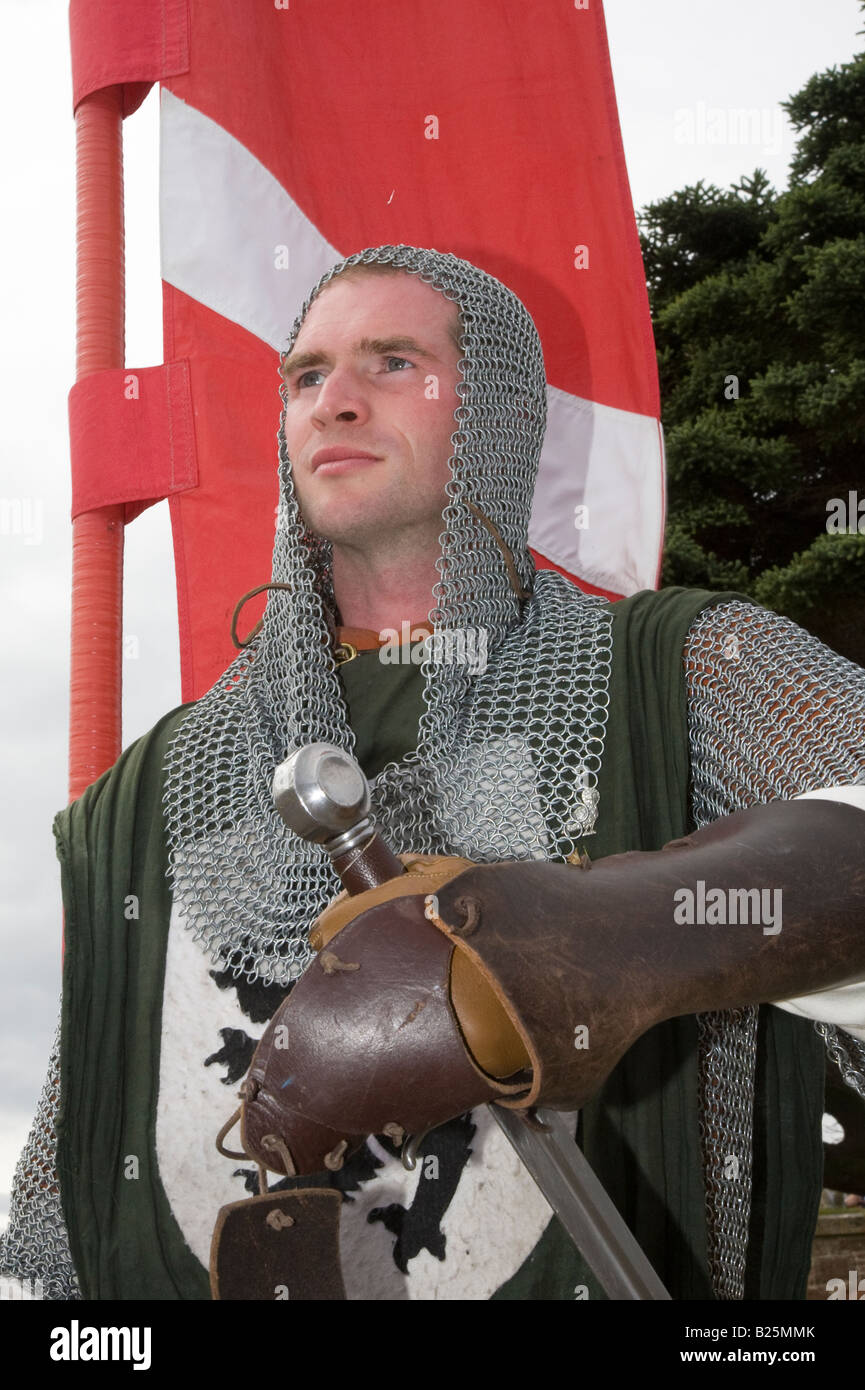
(340, 397)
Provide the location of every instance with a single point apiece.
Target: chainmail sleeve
(35, 1246)
(772, 712)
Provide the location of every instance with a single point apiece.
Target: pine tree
(758, 301)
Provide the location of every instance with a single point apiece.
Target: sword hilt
(322, 795)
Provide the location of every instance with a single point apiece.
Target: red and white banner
(296, 133)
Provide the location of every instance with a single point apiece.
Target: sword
(321, 794)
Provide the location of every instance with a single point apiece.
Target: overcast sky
(682, 67)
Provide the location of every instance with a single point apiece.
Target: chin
(343, 530)
(337, 516)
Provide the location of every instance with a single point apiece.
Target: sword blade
(565, 1177)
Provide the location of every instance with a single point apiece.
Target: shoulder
(661, 619)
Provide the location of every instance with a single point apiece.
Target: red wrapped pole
(95, 682)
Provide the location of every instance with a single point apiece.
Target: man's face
(371, 380)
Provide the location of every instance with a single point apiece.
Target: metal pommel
(321, 793)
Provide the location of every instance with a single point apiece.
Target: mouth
(338, 458)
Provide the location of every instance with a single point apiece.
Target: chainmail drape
(35, 1245)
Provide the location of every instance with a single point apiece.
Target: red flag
(293, 136)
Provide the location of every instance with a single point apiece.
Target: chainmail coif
(506, 761)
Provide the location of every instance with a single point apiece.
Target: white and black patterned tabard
(458, 1227)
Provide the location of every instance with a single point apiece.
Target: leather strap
(283, 1245)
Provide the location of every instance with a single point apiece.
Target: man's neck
(381, 589)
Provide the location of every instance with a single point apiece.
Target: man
(592, 728)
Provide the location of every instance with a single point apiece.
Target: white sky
(676, 64)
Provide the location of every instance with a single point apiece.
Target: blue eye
(306, 379)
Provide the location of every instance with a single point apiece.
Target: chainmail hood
(487, 778)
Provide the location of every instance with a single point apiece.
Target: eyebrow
(376, 347)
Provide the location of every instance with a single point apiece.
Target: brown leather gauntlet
(575, 964)
(740, 912)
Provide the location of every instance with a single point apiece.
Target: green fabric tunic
(640, 1134)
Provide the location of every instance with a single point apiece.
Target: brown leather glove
(578, 965)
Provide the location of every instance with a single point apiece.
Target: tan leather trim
(490, 1035)
(500, 1048)
(425, 873)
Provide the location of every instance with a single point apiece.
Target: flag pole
(95, 680)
